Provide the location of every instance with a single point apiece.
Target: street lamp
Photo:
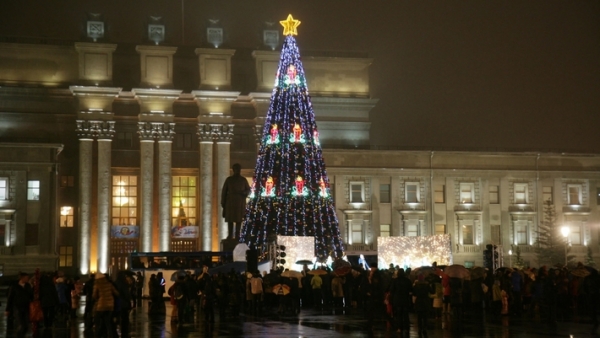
(565, 232)
(510, 258)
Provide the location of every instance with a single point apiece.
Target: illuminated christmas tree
(290, 194)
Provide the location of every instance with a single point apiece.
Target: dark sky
(465, 74)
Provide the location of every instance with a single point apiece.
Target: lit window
(357, 232)
(357, 192)
(3, 188)
(521, 229)
(575, 233)
(65, 256)
(574, 194)
(33, 190)
(521, 195)
(467, 193)
(411, 192)
(384, 193)
(184, 200)
(412, 228)
(467, 234)
(66, 217)
(494, 198)
(440, 229)
(124, 208)
(440, 193)
(384, 230)
(547, 194)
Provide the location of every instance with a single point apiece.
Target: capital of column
(223, 133)
(90, 129)
(205, 133)
(145, 131)
(164, 131)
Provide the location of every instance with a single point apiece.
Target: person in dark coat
(126, 299)
(88, 314)
(421, 291)
(372, 290)
(209, 294)
(48, 299)
(20, 296)
(233, 200)
(401, 289)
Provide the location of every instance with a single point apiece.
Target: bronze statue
(233, 200)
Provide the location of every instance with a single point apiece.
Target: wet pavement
(318, 323)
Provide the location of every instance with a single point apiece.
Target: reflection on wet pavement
(315, 323)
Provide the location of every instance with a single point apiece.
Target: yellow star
(290, 25)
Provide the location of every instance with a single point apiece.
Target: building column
(85, 194)
(205, 138)
(224, 134)
(106, 132)
(147, 184)
(165, 133)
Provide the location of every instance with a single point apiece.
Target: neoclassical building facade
(108, 149)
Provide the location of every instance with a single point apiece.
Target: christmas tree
(290, 193)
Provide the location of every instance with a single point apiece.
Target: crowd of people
(547, 294)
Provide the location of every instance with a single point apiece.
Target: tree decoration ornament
(273, 138)
(294, 198)
(290, 26)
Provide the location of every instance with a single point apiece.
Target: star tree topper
(290, 25)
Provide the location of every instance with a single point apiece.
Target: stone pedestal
(215, 68)
(156, 64)
(95, 62)
(228, 245)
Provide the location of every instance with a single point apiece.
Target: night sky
(481, 75)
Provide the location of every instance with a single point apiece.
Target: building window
(467, 234)
(494, 198)
(575, 234)
(496, 234)
(521, 230)
(384, 230)
(184, 200)
(440, 229)
(124, 208)
(467, 192)
(412, 228)
(411, 192)
(3, 188)
(521, 195)
(384, 193)
(33, 190)
(66, 217)
(67, 181)
(241, 142)
(184, 141)
(124, 140)
(357, 192)
(574, 194)
(357, 232)
(440, 193)
(65, 256)
(547, 194)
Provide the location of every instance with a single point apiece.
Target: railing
(469, 248)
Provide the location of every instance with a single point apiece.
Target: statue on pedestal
(233, 200)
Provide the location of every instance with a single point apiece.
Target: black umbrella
(304, 261)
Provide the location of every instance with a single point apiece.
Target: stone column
(224, 134)
(106, 132)
(147, 184)
(86, 139)
(164, 133)
(205, 137)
